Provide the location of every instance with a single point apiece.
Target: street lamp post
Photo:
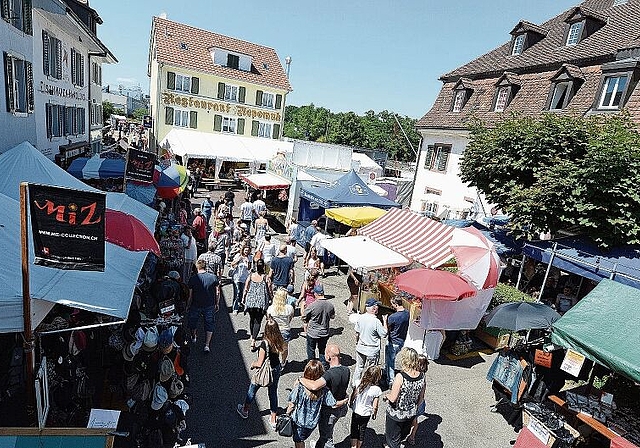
(287, 61)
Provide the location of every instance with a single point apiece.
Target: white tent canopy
(360, 252)
(225, 147)
(109, 292)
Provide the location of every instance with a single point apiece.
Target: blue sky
(347, 55)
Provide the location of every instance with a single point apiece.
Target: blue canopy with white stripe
(96, 168)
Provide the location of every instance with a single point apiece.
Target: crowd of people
(262, 272)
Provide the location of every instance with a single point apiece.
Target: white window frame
(229, 124)
(77, 68)
(614, 92)
(458, 100)
(55, 56)
(518, 44)
(268, 100)
(501, 99)
(181, 82)
(96, 73)
(19, 87)
(265, 129)
(575, 31)
(559, 104)
(181, 118)
(16, 14)
(231, 92)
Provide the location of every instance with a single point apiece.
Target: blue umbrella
(516, 316)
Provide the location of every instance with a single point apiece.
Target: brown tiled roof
(621, 28)
(573, 70)
(530, 100)
(587, 12)
(266, 68)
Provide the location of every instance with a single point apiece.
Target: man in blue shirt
(397, 325)
(308, 234)
(204, 299)
(281, 272)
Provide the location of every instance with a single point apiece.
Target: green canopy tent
(605, 327)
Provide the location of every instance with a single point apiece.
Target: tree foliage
(561, 172)
(371, 131)
(109, 109)
(139, 113)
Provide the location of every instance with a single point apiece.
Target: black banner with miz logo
(140, 165)
(68, 227)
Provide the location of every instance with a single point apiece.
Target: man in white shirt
(190, 252)
(315, 242)
(246, 212)
(258, 206)
(291, 249)
(269, 249)
(369, 334)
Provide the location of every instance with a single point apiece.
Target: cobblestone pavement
(457, 398)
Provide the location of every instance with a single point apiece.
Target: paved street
(458, 396)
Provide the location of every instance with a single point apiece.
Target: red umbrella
(434, 284)
(129, 232)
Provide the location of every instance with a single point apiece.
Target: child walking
(364, 402)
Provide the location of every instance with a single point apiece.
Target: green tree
(558, 172)
(109, 109)
(372, 130)
(139, 113)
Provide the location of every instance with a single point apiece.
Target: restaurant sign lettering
(171, 99)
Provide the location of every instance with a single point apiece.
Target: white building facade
(17, 114)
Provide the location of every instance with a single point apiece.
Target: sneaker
(207, 349)
(235, 312)
(240, 409)
(273, 425)
(303, 334)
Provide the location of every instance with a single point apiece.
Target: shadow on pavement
(219, 381)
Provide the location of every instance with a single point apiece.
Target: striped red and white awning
(416, 237)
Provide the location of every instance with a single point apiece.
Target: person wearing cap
(281, 273)
(369, 335)
(203, 300)
(199, 229)
(318, 315)
(190, 252)
(309, 232)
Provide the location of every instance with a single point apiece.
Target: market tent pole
(29, 342)
(524, 257)
(546, 274)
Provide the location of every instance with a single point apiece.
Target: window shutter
(28, 68)
(5, 10)
(428, 161)
(217, 123)
(241, 126)
(171, 81)
(221, 90)
(47, 119)
(195, 85)
(254, 128)
(278, 101)
(242, 93)
(193, 119)
(8, 79)
(58, 59)
(81, 77)
(168, 115)
(259, 98)
(443, 158)
(27, 17)
(45, 52)
(276, 131)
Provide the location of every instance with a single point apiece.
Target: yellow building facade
(212, 83)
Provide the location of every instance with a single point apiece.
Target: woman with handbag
(256, 300)
(405, 397)
(268, 373)
(282, 312)
(305, 405)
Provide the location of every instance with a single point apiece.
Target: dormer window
(564, 84)
(461, 93)
(518, 44)
(612, 92)
(525, 35)
(582, 23)
(506, 88)
(618, 80)
(575, 32)
(233, 61)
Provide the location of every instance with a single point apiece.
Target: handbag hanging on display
(284, 425)
(263, 377)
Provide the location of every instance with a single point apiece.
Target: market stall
(354, 217)
(97, 168)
